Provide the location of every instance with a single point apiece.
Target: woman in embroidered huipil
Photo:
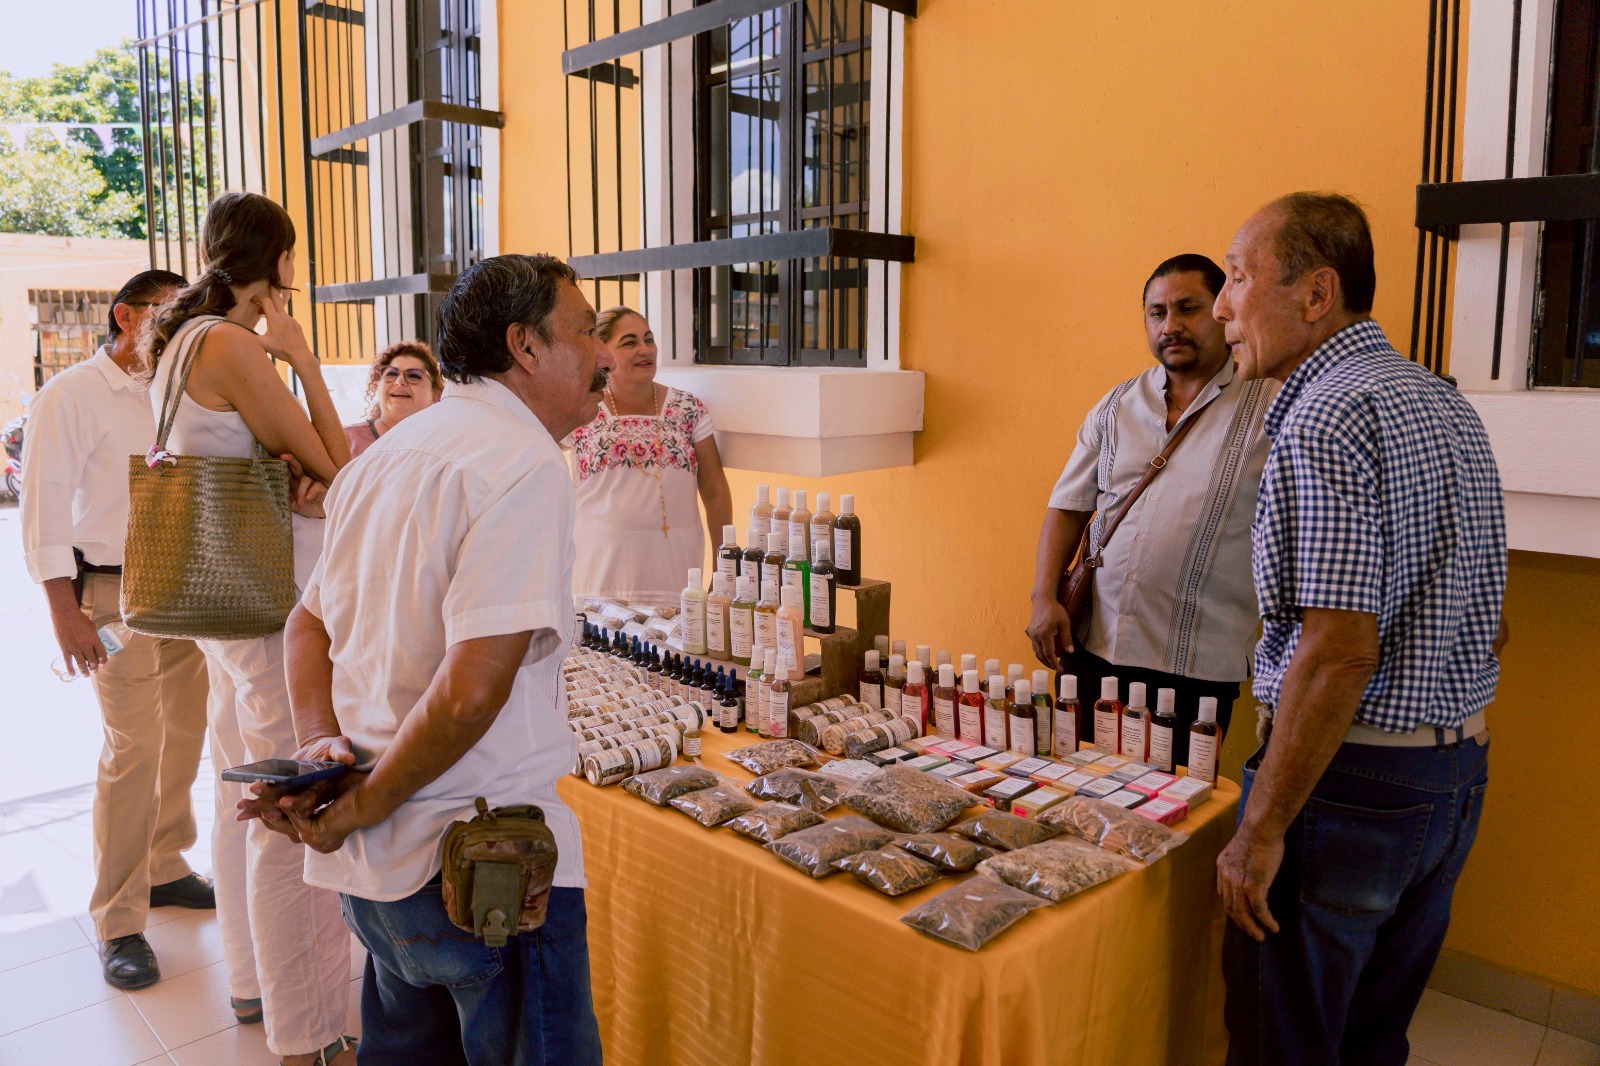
(642, 469)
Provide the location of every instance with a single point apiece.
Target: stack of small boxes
(1029, 786)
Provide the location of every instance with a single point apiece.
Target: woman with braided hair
(285, 943)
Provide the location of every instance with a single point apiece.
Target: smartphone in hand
(285, 773)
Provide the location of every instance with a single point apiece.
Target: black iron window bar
(394, 163)
(1444, 204)
(781, 251)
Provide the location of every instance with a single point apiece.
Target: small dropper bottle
(1163, 728)
(728, 704)
(1019, 719)
(1067, 713)
(969, 711)
(1204, 740)
(994, 714)
(872, 681)
(1043, 711)
(944, 701)
(1133, 744)
(912, 708)
(1107, 717)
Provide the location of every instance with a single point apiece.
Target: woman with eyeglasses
(405, 378)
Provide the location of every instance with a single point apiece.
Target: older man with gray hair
(1380, 565)
(426, 652)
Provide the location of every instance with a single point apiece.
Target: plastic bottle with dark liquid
(1107, 717)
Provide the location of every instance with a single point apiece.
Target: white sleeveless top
(199, 430)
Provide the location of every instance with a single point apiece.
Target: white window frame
(1546, 440)
(806, 421)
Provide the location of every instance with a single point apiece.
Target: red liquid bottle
(1107, 717)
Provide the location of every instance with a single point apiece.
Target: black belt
(91, 568)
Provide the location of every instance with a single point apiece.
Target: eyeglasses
(390, 375)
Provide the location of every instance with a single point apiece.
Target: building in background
(895, 246)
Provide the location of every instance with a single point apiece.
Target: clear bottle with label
(769, 666)
(969, 710)
(968, 662)
(764, 617)
(893, 683)
(730, 558)
(754, 555)
(800, 527)
(791, 628)
(1019, 719)
(1014, 674)
(994, 714)
(780, 513)
(778, 701)
(1043, 712)
(741, 623)
(1205, 740)
(821, 527)
(752, 689)
(944, 702)
(872, 681)
(847, 542)
(797, 575)
(692, 604)
(772, 562)
(912, 707)
(1067, 712)
(1107, 717)
(691, 742)
(761, 510)
(1133, 743)
(114, 636)
(1163, 727)
(717, 620)
(824, 590)
(990, 668)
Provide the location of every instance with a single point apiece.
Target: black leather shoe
(193, 891)
(129, 962)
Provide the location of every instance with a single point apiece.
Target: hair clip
(222, 275)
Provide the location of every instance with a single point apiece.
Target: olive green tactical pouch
(497, 871)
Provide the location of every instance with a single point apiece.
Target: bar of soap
(1131, 771)
(1002, 761)
(920, 745)
(1151, 784)
(1039, 800)
(946, 747)
(1004, 794)
(952, 769)
(1086, 757)
(977, 753)
(889, 756)
(926, 762)
(1053, 772)
(1189, 790)
(1027, 767)
(848, 769)
(1073, 783)
(1109, 762)
(978, 780)
(1099, 788)
(1126, 798)
(1165, 811)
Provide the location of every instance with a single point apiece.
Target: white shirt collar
(490, 391)
(115, 376)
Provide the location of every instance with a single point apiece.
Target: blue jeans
(434, 994)
(1362, 903)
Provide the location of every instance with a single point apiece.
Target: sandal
(246, 1011)
(331, 1052)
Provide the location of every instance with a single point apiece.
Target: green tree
(103, 89)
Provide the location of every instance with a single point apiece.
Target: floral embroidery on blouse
(612, 441)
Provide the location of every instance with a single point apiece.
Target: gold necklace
(661, 491)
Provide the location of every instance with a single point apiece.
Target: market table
(707, 949)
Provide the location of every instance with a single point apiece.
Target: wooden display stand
(842, 649)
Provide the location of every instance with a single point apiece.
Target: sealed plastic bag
(1113, 828)
(972, 913)
(949, 852)
(908, 801)
(715, 805)
(890, 870)
(814, 851)
(773, 755)
(1003, 830)
(770, 821)
(1056, 869)
(800, 787)
(668, 783)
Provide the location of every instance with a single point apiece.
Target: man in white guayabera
(427, 652)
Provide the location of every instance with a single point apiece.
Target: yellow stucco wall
(1054, 153)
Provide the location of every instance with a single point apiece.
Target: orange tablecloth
(707, 949)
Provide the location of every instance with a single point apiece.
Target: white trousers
(283, 940)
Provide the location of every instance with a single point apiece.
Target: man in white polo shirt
(427, 652)
(82, 427)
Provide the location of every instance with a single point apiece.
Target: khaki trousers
(153, 705)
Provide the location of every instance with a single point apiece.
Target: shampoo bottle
(791, 629)
(969, 713)
(821, 527)
(778, 700)
(730, 559)
(764, 620)
(1043, 711)
(797, 575)
(871, 681)
(1019, 719)
(780, 513)
(752, 689)
(912, 709)
(1163, 727)
(717, 620)
(894, 683)
(944, 702)
(1135, 725)
(1107, 716)
(1068, 711)
(754, 554)
(994, 714)
(692, 603)
(824, 593)
(1204, 740)
(741, 623)
(847, 542)
(772, 563)
(800, 527)
(761, 512)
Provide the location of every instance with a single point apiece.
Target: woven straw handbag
(210, 551)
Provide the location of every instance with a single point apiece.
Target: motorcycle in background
(11, 437)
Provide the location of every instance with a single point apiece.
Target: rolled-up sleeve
(54, 451)
(509, 575)
(1078, 487)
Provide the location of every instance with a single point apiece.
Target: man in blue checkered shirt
(1380, 564)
